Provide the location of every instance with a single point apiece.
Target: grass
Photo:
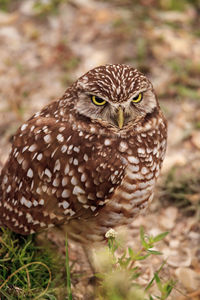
(4, 4)
(28, 271)
(47, 7)
(181, 188)
(40, 7)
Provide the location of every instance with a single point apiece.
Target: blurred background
(46, 44)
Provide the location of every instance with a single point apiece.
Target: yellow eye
(97, 100)
(137, 98)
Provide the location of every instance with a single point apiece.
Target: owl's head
(115, 95)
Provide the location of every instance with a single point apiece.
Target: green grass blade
(160, 237)
(69, 290)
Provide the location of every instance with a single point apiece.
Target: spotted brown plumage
(75, 162)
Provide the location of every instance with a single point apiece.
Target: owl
(89, 160)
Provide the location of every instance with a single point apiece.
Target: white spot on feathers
(23, 127)
(47, 138)
(107, 142)
(85, 157)
(133, 160)
(32, 148)
(65, 193)
(123, 146)
(56, 182)
(40, 156)
(60, 138)
(57, 166)
(64, 181)
(78, 190)
(48, 172)
(30, 173)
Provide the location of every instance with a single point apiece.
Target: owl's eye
(97, 100)
(137, 98)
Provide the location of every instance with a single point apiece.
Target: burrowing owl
(89, 160)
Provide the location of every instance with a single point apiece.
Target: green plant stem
(69, 290)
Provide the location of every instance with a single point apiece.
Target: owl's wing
(55, 173)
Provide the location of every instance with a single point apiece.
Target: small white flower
(111, 233)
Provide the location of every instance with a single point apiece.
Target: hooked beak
(120, 117)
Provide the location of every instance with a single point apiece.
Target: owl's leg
(93, 279)
(88, 255)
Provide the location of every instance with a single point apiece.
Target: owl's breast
(141, 156)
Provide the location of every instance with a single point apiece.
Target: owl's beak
(120, 117)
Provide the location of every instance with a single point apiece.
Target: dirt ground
(44, 48)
